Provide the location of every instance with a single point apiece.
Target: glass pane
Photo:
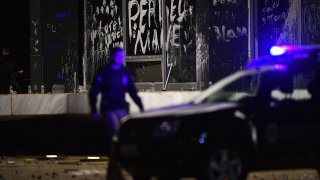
(181, 41)
(146, 71)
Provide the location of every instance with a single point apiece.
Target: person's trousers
(113, 123)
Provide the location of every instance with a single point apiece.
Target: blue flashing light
(283, 55)
(288, 49)
(63, 15)
(277, 50)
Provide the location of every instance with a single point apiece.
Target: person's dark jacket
(113, 85)
(8, 70)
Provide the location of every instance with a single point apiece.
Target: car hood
(183, 109)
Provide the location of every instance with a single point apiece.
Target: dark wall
(14, 17)
(224, 33)
(60, 45)
(54, 43)
(228, 42)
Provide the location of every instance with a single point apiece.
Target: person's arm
(133, 92)
(94, 91)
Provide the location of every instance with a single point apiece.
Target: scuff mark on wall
(290, 32)
(35, 36)
(310, 21)
(202, 59)
(202, 44)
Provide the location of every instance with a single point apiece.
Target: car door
(288, 122)
(275, 116)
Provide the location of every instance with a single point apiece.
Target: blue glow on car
(165, 126)
(280, 67)
(202, 138)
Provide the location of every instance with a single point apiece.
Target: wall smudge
(290, 32)
(310, 21)
(35, 36)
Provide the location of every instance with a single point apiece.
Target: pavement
(32, 168)
(76, 136)
(83, 168)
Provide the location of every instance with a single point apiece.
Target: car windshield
(232, 88)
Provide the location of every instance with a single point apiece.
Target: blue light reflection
(202, 138)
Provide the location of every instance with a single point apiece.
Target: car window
(285, 86)
(244, 86)
(266, 84)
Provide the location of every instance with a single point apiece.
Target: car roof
(293, 59)
(281, 57)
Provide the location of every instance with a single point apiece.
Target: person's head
(5, 51)
(117, 56)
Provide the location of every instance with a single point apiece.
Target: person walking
(9, 72)
(113, 82)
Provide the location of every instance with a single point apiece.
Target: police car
(265, 116)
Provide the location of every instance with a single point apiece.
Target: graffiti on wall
(144, 27)
(181, 40)
(145, 34)
(287, 22)
(272, 15)
(104, 30)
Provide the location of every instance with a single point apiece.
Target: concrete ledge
(153, 100)
(5, 105)
(78, 103)
(28, 104)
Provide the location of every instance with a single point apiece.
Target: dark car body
(265, 116)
